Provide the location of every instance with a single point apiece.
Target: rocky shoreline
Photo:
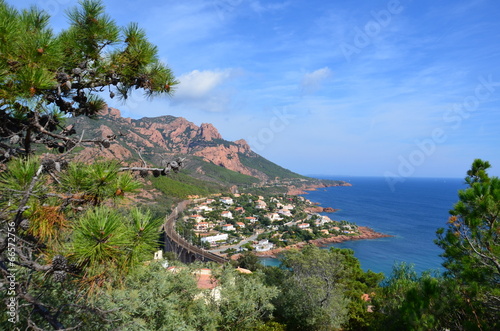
(364, 233)
(298, 190)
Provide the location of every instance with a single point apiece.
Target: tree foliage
(408, 301)
(471, 246)
(153, 298)
(321, 289)
(61, 232)
(467, 295)
(44, 76)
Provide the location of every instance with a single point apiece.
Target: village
(239, 222)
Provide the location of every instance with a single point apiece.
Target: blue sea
(411, 213)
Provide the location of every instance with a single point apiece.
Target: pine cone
(48, 164)
(15, 139)
(25, 224)
(76, 71)
(59, 276)
(59, 262)
(70, 144)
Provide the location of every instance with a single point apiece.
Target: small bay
(411, 211)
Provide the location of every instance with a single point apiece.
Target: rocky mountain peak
(244, 147)
(208, 132)
(165, 137)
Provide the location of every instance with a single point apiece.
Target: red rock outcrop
(244, 147)
(172, 135)
(208, 132)
(364, 233)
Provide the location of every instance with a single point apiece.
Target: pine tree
(472, 247)
(59, 237)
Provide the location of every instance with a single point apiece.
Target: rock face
(208, 132)
(167, 135)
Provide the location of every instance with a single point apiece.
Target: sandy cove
(364, 233)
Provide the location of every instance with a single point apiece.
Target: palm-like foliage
(125, 183)
(99, 238)
(144, 236)
(15, 182)
(97, 182)
(47, 224)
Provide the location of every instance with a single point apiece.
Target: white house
(213, 239)
(263, 245)
(227, 200)
(251, 219)
(303, 225)
(322, 220)
(227, 214)
(274, 217)
(326, 219)
(240, 224)
(202, 208)
(260, 205)
(202, 226)
(285, 212)
(228, 227)
(197, 218)
(205, 207)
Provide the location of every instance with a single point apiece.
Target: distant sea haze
(411, 213)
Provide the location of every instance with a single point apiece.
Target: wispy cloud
(260, 7)
(312, 81)
(206, 89)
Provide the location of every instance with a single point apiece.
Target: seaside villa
(263, 246)
(216, 238)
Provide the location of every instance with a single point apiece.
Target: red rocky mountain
(165, 137)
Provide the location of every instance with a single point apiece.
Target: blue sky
(377, 88)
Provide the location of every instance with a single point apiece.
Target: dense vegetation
(221, 174)
(181, 186)
(267, 167)
(75, 254)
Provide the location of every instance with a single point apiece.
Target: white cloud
(311, 82)
(207, 90)
(201, 84)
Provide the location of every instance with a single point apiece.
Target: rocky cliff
(162, 138)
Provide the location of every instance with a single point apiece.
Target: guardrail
(169, 228)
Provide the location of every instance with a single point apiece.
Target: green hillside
(269, 168)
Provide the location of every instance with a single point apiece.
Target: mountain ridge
(209, 157)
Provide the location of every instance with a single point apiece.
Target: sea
(410, 211)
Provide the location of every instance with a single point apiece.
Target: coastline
(299, 190)
(364, 233)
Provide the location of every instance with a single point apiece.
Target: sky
(392, 88)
